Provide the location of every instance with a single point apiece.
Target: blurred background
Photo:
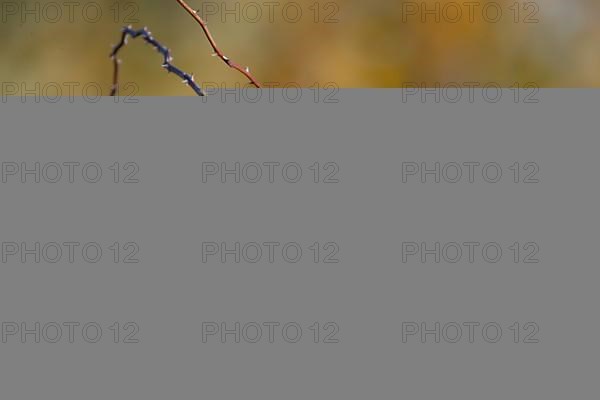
(353, 43)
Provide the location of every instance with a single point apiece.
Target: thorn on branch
(146, 35)
(217, 52)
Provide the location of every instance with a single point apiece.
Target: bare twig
(218, 52)
(188, 79)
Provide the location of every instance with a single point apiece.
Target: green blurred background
(374, 43)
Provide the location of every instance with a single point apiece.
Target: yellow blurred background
(353, 43)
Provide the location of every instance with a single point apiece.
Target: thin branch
(188, 79)
(217, 51)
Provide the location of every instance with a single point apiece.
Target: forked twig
(217, 51)
(188, 79)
